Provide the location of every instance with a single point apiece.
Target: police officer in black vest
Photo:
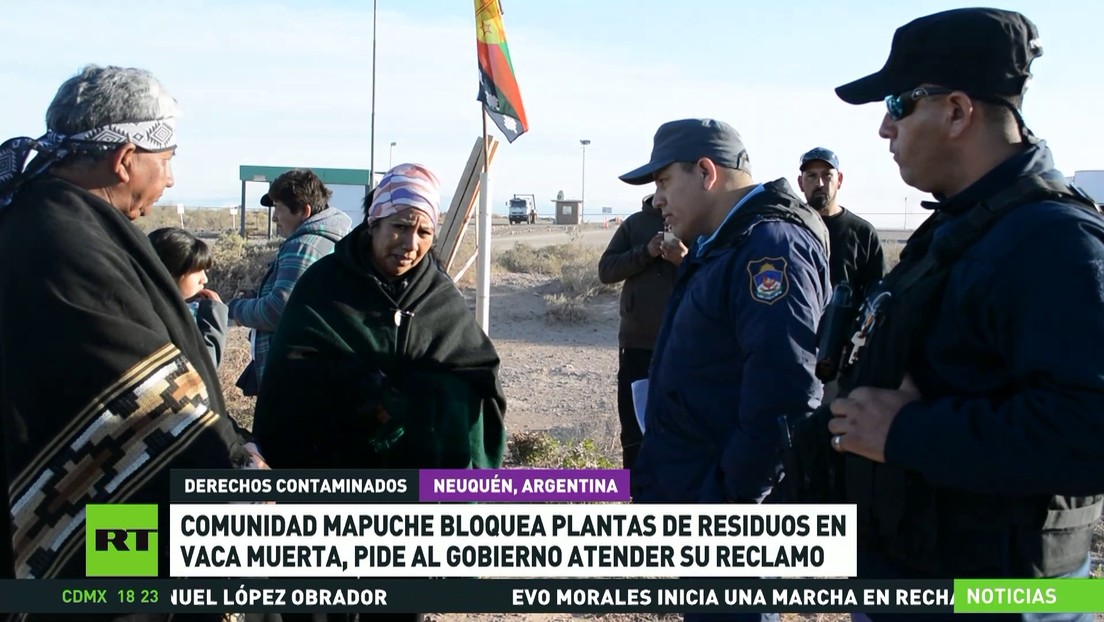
(970, 432)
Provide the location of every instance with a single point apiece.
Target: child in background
(188, 258)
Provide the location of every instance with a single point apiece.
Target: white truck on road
(522, 209)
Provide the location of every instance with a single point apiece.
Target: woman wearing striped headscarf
(378, 362)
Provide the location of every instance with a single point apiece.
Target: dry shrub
(542, 450)
(206, 222)
(532, 449)
(579, 282)
(576, 265)
(565, 309)
(579, 273)
(547, 260)
(238, 264)
(234, 361)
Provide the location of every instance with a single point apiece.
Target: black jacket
(351, 344)
(1012, 379)
(856, 254)
(648, 280)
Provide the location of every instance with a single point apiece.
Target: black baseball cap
(979, 51)
(689, 140)
(820, 153)
(266, 200)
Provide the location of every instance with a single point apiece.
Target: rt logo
(120, 540)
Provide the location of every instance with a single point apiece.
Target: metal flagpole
(372, 157)
(483, 243)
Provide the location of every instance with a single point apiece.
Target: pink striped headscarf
(406, 186)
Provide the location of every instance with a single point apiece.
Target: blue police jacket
(736, 351)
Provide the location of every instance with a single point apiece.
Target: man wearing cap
(737, 346)
(971, 426)
(638, 255)
(300, 209)
(855, 251)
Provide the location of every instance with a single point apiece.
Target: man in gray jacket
(639, 256)
(302, 213)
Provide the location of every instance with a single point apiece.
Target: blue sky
(289, 84)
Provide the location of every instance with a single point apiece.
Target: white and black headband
(155, 135)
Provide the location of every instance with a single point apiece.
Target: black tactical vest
(928, 531)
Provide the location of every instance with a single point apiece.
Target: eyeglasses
(900, 106)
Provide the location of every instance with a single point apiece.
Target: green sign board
(334, 176)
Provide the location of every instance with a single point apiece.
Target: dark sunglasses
(900, 106)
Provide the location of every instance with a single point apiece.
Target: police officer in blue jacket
(971, 430)
(737, 345)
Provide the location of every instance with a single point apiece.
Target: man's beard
(818, 201)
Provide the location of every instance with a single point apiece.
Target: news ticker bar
(551, 596)
(399, 485)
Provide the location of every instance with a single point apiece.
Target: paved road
(899, 236)
(548, 236)
(503, 237)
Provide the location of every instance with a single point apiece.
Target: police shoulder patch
(769, 282)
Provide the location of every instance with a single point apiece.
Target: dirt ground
(557, 377)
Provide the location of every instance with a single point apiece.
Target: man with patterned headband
(105, 384)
